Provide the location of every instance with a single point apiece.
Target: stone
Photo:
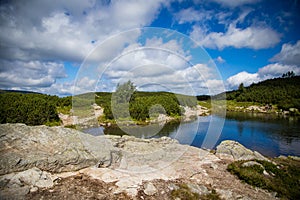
(38, 157)
(199, 189)
(297, 158)
(150, 189)
(225, 194)
(33, 189)
(235, 151)
(251, 163)
(20, 183)
(53, 149)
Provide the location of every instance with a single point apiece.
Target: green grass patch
(206, 104)
(71, 126)
(211, 196)
(283, 178)
(53, 123)
(64, 109)
(184, 193)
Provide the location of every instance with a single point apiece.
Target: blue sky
(68, 47)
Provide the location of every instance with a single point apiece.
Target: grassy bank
(282, 176)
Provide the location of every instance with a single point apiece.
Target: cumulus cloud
(266, 72)
(276, 70)
(49, 33)
(242, 77)
(67, 31)
(32, 73)
(289, 54)
(235, 3)
(251, 37)
(219, 59)
(190, 15)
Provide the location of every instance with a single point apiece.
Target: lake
(268, 134)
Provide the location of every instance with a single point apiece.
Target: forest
(140, 103)
(284, 92)
(36, 109)
(30, 108)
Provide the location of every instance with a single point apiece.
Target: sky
(191, 47)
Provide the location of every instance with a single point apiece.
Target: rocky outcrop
(233, 150)
(19, 184)
(42, 162)
(53, 149)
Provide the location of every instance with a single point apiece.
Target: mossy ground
(184, 193)
(282, 177)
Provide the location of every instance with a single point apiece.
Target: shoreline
(60, 162)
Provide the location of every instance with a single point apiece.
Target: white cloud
(191, 15)
(275, 70)
(235, 3)
(250, 37)
(219, 59)
(32, 73)
(267, 72)
(52, 32)
(289, 54)
(242, 77)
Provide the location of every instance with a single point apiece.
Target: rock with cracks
(233, 150)
(58, 163)
(53, 149)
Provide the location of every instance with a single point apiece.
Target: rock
(233, 150)
(251, 163)
(34, 189)
(282, 157)
(150, 189)
(201, 190)
(225, 194)
(19, 184)
(124, 163)
(14, 193)
(297, 158)
(53, 149)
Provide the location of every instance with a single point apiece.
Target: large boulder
(53, 149)
(233, 150)
(17, 185)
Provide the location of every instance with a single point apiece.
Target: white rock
(150, 189)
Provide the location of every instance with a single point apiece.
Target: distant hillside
(284, 92)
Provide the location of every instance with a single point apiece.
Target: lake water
(270, 135)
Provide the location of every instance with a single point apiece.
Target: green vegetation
(185, 193)
(31, 109)
(139, 104)
(283, 92)
(282, 178)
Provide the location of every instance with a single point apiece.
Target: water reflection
(271, 135)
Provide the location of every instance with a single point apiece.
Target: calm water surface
(270, 135)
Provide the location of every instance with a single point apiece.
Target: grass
(53, 123)
(206, 104)
(64, 109)
(283, 178)
(184, 193)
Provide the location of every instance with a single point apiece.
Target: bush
(283, 178)
(31, 109)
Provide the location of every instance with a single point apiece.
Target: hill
(284, 92)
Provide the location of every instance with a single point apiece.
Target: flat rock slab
(53, 149)
(129, 165)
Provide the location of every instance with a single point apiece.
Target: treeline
(284, 92)
(141, 104)
(30, 108)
